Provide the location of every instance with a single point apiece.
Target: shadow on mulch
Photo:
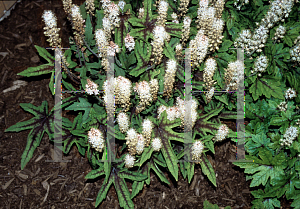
(62, 185)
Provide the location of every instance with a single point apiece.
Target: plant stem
(89, 47)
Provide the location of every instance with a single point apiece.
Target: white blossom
(282, 106)
(96, 139)
(122, 4)
(290, 135)
(49, 19)
(129, 42)
(101, 41)
(260, 64)
(91, 88)
(160, 33)
(156, 144)
(171, 67)
(143, 90)
(280, 31)
(129, 161)
(106, 24)
(210, 94)
(290, 93)
(163, 7)
(295, 53)
(140, 144)
(222, 133)
(131, 134)
(198, 47)
(123, 121)
(174, 16)
(197, 150)
(147, 126)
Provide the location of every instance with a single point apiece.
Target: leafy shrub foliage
(151, 43)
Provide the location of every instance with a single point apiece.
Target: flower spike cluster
(156, 144)
(198, 48)
(260, 65)
(169, 77)
(120, 90)
(96, 139)
(91, 87)
(90, 7)
(197, 150)
(131, 140)
(295, 51)
(162, 13)
(51, 29)
(144, 91)
(279, 10)
(129, 161)
(78, 25)
(123, 121)
(222, 133)
(147, 130)
(289, 136)
(129, 42)
(160, 35)
(290, 93)
(234, 74)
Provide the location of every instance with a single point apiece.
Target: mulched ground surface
(62, 185)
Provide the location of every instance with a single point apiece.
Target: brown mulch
(45, 184)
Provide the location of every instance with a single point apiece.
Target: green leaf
(123, 193)
(208, 170)
(168, 51)
(225, 45)
(223, 98)
(83, 10)
(165, 133)
(89, 31)
(204, 126)
(146, 155)
(136, 22)
(95, 173)
(39, 70)
(99, 17)
(45, 54)
(174, 29)
(103, 191)
(159, 173)
(51, 84)
(41, 123)
(81, 105)
(132, 175)
(270, 203)
(267, 86)
(143, 59)
(230, 23)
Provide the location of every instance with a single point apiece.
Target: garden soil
(50, 185)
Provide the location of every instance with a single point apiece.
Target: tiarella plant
(150, 42)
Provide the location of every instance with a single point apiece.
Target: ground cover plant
(148, 43)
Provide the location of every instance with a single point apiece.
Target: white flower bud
(222, 133)
(49, 19)
(123, 121)
(290, 93)
(122, 4)
(156, 144)
(129, 161)
(91, 88)
(197, 150)
(140, 145)
(129, 42)
(96, 139)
